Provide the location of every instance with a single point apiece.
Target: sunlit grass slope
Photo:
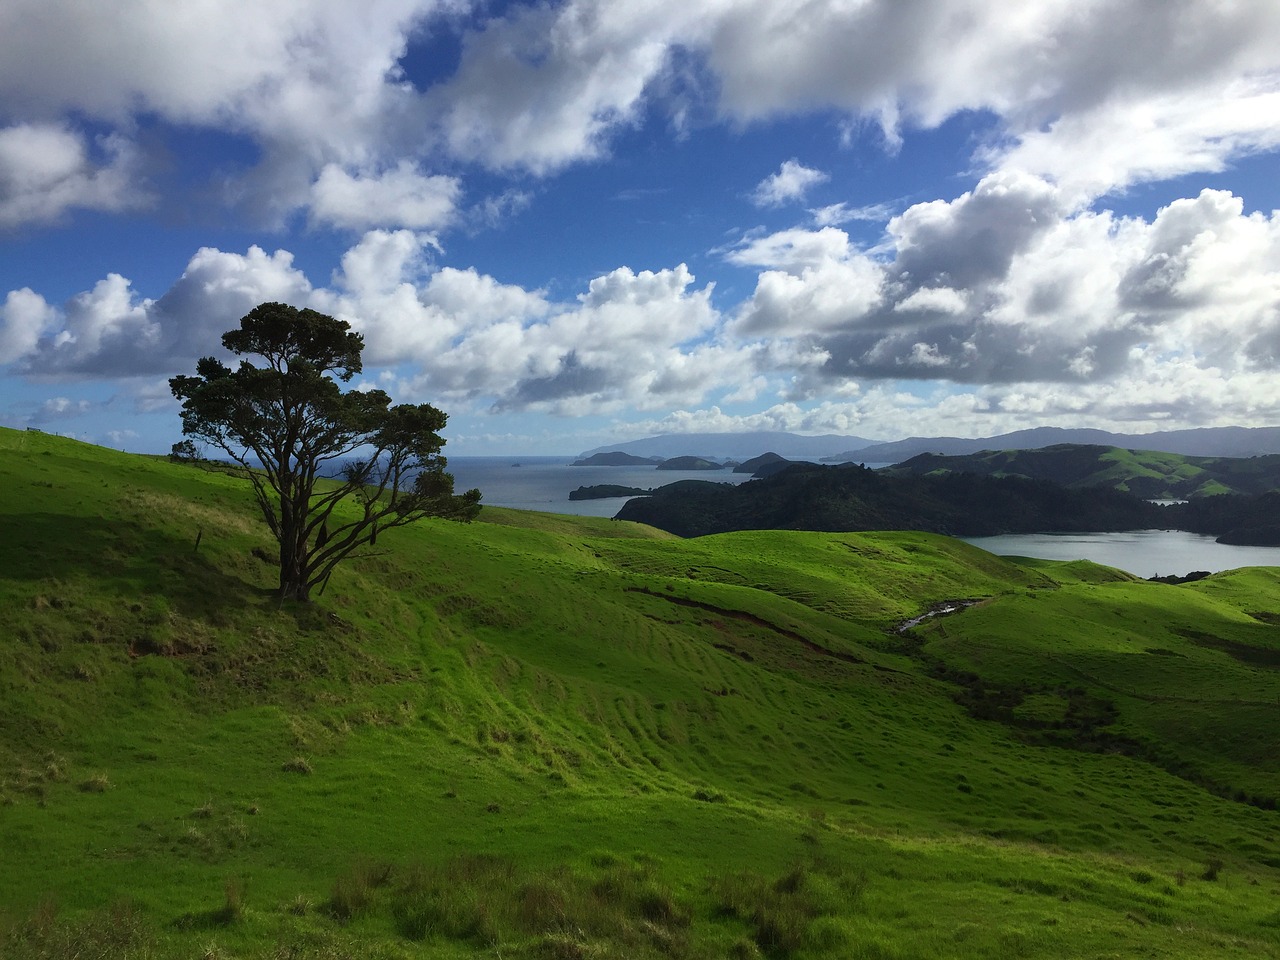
(542, 736)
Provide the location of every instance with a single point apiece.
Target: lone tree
(289, 423)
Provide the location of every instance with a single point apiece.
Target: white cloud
(47, 169)
(838, 214)
(60, 408)
(932, 300)
(304, 71)
(110, 331)
(792, 249)
(546, 86)
(1127, 140)
(1091, 96)
(792, 181)
(24, 317)
(310, 82)
(1045, 311)
(1102, 94)
(1007, 285)
(400, 197)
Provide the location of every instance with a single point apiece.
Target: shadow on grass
(127, 559)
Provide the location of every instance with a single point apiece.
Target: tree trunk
(293, 556)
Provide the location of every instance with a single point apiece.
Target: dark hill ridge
(615, 459)
(755, 463)
(1145, 473)
(811, 497)
(1200, 442)
(690, 463)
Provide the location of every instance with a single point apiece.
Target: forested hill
(808, 497)
(1145, 473)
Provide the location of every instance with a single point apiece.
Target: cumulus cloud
(399, 197)
(47, 169)
(23, 319)
(1078, 90)
(112, 331)
(1009, 287)
(792, 181)
(546, 86)
(1005, 306)
(315, 72)
(1093, 97)
(310, 83)
(643, 338)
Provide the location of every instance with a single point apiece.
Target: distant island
(690, 463)
(616, 459)
(769, 459)
(814, 497)
(605, 491)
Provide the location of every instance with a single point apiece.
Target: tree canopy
(330, 469)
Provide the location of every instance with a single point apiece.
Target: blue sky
(581, 222)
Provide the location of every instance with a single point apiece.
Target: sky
(576, 223)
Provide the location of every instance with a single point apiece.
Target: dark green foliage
(808, 497)
(288, 423)
(602, 491)
(1237, 519)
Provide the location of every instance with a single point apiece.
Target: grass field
(556, 737)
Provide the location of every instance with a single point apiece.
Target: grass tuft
(98, 783)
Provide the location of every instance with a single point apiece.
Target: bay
(544, 483)
(1144, 553)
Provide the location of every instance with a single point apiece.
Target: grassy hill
(543, 736)
(1145, 473)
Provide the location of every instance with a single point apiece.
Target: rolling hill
(558, 737)
(1144, 473)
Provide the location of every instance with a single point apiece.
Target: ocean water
(544, 483)
(1144, 553)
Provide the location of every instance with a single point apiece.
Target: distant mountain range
(833, 448)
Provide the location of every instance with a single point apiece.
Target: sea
(544, 483)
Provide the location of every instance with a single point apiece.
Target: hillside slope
(1144, 473)
(546, 736)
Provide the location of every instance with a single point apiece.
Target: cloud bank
(1093, 97)
(1025, 306)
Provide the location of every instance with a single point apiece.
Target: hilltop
(1144, 473)
(559, 737)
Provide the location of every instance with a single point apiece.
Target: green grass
(544, 736)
